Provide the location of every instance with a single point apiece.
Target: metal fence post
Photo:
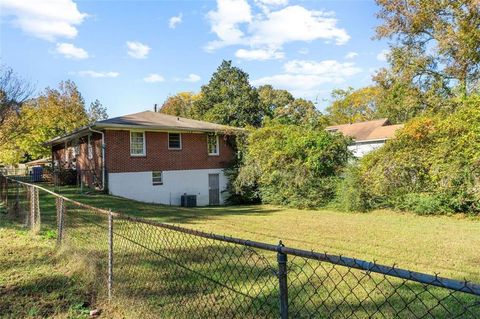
(282, 281)
(31, 193)
(6, 194)
(60, 219)
(38, 222)
(110, 254)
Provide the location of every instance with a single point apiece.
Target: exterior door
(213, 189)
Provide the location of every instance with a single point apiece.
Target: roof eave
(168, 128)
(373, 140)
(66, 137)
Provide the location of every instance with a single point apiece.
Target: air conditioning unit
(188, 200)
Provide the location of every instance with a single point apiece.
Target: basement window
(157, 178)
(137, 143)
(174, 141)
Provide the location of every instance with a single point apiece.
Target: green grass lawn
(447, 245)
(169, 269)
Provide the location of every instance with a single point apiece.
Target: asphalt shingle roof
(155, 120)
(369, 130)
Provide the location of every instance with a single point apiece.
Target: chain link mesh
(323, 289)
(84, 234)
(164, 271)
(182, 275)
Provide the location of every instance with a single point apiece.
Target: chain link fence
(157, 270)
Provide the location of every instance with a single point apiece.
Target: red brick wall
(81, 159)
(193, 155)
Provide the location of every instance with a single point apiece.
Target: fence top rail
(393, 271)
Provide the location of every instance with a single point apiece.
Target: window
(157, 178)
(174, 141)
(89, 149)
(212, 143)
(137, 143)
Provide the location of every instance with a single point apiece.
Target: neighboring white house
(367, 136)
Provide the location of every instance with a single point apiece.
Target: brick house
(150, 157)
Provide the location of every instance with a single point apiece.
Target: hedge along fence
(154, 269)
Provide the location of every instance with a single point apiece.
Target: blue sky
(132, 54)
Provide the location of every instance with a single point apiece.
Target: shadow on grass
(163, 213)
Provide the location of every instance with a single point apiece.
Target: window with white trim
(157, 178)
(212, 144)
(137, 143)
(174, 141)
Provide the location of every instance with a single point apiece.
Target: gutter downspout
(103, 154)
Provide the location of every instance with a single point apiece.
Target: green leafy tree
(292, 164)
(54, 113)
(350, 106)
(97, 112)
(229, 99)
(435, 44)
(299, 112)
(281, 106)
(179, 104)
(274, 99)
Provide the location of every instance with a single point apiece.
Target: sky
(133, 54)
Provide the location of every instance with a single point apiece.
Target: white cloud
(351, 55)
(153, 78)
(273, 2)
(234, 23)
(71, 52)
(329, 68)
(193, 78)
(47, 20)
(382, 56)
(96, 74)
(174, 21)
(137, 50)
(259, 54)
(267, 5)
(295, 23)
(306, 77)
(225, 22)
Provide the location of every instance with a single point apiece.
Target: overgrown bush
(293, 165)
(433, 166)
(61, 176)
(351, 194)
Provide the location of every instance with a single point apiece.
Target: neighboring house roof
(149, 120)
(42, 161)
(376, 130)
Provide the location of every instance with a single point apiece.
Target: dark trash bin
(37, 174)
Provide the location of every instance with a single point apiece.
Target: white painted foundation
(138, 186)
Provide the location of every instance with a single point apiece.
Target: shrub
(351, 194)
(64, 176)
(423, 204)
(435, 160)
(293, 165)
